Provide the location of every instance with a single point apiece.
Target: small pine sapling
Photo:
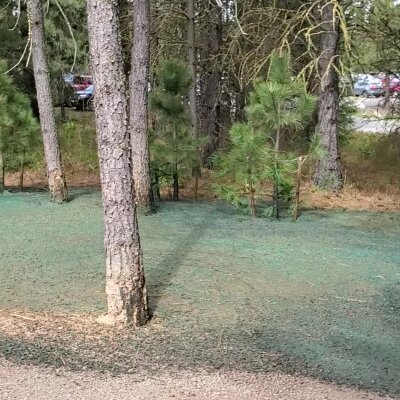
(241, 169)
(172, 146)
(277, 106)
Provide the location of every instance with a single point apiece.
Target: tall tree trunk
(57, 185)
(191, 54)
(211, 123)
(191, 45)
(1, 171)
(328, 171)
(139, 86)
(125, 280)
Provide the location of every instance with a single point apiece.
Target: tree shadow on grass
(160, 277)
(75, 193)
(33, 189)
(350, 343)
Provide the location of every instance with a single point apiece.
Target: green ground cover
(320, 296)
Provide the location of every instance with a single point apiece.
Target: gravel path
(23, 382)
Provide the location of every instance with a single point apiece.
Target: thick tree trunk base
(328, 177)
(127, 298)
(57, 187)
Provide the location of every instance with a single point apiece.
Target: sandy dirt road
(33, 383)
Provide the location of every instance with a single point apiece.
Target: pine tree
(174, 148)
(241, 170)
(277, 106)
(18, 128)
(56, 178)
(125, 278)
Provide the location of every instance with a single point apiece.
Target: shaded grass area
(318, 297)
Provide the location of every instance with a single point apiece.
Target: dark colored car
(83, 99)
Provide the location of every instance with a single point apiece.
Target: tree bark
(297, 188)
(175, 184)
(125, 280)
(139, 86)
(191, 43)
(57, 184)
(328, 170)
(210, 121)
(191, 54)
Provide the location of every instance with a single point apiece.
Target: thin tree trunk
(276, 195)
(2, 169)
(191, 53)
(191, 44)
(297, 191)
(57, 184)
(175, 194)
(276, 166)
(139, 86)
(156, 184)
(386, 103)
(252, 201)
(210, 110)
(125, 280)
(328, 171)
(21, 172)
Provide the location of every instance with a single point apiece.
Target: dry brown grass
(350, 198)
(371, 165)
(29, 325)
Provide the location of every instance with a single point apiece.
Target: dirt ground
(229, 295)
(350, 198)
(32, 383)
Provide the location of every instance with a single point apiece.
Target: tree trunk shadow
(162, 275)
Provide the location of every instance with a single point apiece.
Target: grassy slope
(319, 297)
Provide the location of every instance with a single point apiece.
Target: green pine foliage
(173, 149)
(241, 170)
(19, 133)
(256, 161)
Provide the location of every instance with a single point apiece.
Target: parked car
(368, 86)
(83, 99)
(78, 82)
